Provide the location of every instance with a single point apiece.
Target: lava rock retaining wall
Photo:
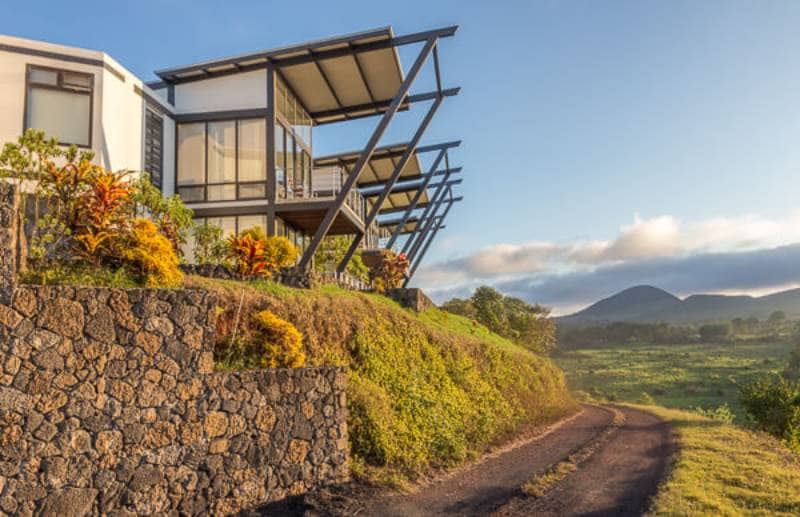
(109, 404)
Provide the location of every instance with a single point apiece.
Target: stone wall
(8, 241)
(413, 298)
(109, 404)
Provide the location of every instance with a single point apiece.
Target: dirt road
(618, 477)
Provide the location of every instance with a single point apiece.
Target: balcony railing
(327, 183)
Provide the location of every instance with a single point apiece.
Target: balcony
(305, 203)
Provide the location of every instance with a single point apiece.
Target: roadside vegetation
(724, 469)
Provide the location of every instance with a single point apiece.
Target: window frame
(205, 185)
(60, 87)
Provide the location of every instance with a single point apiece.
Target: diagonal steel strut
(352, 178)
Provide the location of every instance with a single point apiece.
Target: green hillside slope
(425, 391)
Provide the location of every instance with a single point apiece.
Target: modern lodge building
(234, 137)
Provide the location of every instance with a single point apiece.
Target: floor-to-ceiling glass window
(191, 161)
(252, 158)
(294, 127)
(222, 160)
(221, 146)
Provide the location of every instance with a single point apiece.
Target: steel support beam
(413, 181)
(424, 224)
(377, 134)
(430, 239)
(411, 243)
(417, 197)
(272, 182)
(405, 189)
(390, 182)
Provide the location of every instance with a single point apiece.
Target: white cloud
(662, 237)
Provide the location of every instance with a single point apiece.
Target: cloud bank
(743, 254)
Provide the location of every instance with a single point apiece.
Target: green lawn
(674, 376)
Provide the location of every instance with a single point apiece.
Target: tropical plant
(153, 255)
(256, 255)
(390, 272)
(281, 342)
(173, 218)
(84, 215)
(247, 251)
(279, 253)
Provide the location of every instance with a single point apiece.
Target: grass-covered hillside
(425, 391)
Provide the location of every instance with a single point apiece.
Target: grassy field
(674, 376)
(723, 469)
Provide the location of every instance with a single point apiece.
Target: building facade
(234, 137)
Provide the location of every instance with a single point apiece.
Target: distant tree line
(777, 327)
(527, 325)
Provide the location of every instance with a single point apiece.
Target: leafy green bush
(525, 324)
(715, 332)
(773, 405)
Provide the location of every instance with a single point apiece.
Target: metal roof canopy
(335, 79)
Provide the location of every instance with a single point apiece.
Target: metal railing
(327, 183)
(344, 280)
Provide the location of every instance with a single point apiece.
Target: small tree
(209, 246)
(715, 332)
(330, 253)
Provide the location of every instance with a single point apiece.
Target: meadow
(673, 376)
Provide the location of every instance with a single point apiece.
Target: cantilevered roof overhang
(380, 165)
(335, 79)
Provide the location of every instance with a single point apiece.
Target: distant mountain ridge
(645, 303)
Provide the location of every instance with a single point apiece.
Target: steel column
(352, 178)
(272, 183)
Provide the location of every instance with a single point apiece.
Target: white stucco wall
(118, 106)
(247, 90)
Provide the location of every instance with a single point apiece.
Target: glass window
(290, 166)
(280, 160)
(221, 192)
(252, 190)
(61, 115)
(252, 155)
(227, 224)
(222, 152)
(59, 103)
(191, 154)
(43, 76)
(251, 221)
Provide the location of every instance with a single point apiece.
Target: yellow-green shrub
(153, 255)
(281, 342)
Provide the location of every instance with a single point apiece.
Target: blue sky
(584, 123)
